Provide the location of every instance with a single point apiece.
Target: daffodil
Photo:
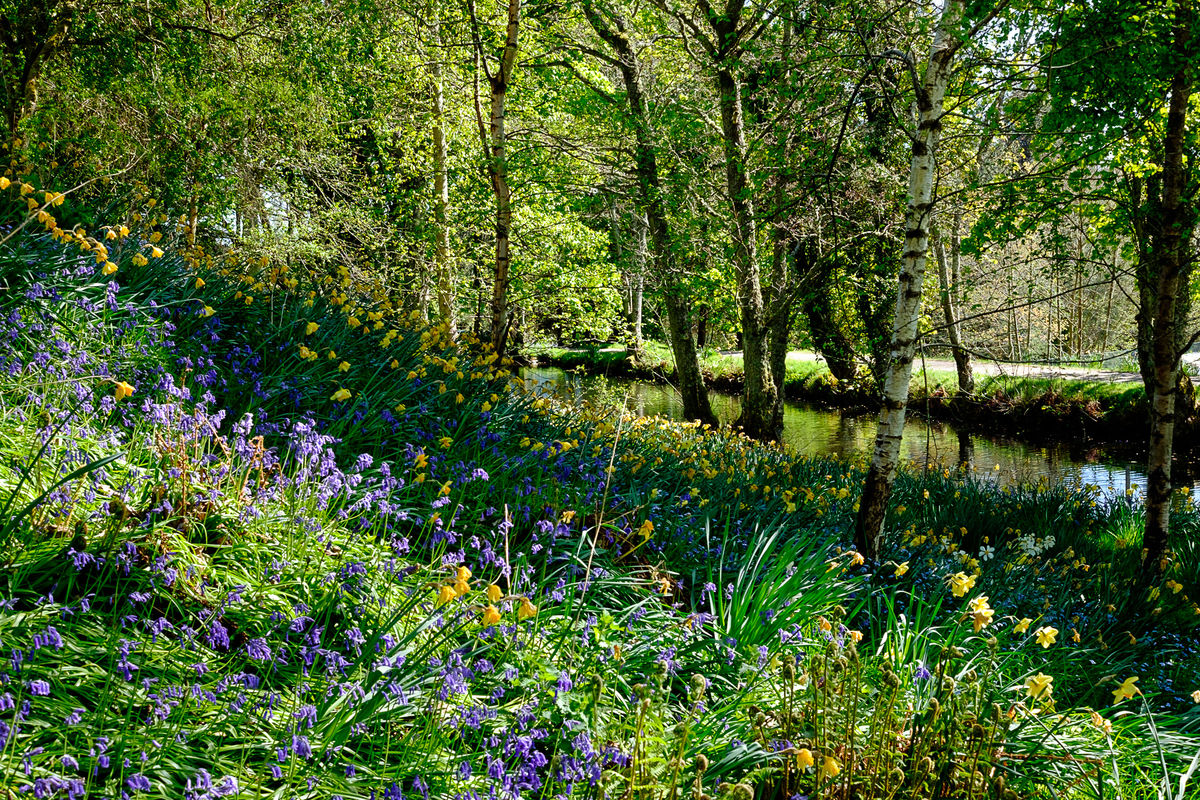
(340, 395)
(207, 311)
(344, 366)
(311, 328)
(1125, 690)
(804, 758)
(981, 613)
(139, 260)
(830, 767)
(961, 583)
(108, 269)
(1046, 635)
(122, 390)
(445, 595)
(155, 252)
(1023, 625)
(491, 615)
(526, 609)
(494, 593)
(901, 569)
(199, 281)
(1038, 685)
(646, 530)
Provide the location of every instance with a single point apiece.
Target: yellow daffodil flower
(445, 595)
(1038, 685)
(804, 758)
(340, 395)
(526, 609)
(1126, 690)
(122, 390)
(901, 569)
(491, 615)
(830, 767)
(494, 593)
(311, 328)
(1046, 635)
(961, 583)
(207, 311)
(344, 366)
(1023, 625)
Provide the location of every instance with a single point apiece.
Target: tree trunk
(779, 324)
(635, 282)
(761, 416)
(817, 303)
(1170, 268)
(645, 158)
(494, 145)
(948, 276)
(441, 190)
(886, 456)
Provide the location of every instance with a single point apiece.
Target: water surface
(814, 431)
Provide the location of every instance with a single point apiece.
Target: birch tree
(930, 93)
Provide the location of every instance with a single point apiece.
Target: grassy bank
(1042, 407)
(263, 536)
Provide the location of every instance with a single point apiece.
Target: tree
(723, 33)
(1121, 82)
(930, 93)
(613, 28)
(493, 140)
(443, 268)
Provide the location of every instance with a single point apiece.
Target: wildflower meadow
(264, 534)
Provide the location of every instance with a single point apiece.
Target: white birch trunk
(922, 168)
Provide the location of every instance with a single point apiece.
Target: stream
(814, 431)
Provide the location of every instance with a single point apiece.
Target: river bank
(1035, 401)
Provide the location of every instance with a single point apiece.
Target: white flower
(987, 553)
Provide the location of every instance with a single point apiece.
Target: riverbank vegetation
(1029, 407)
(265, 535)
